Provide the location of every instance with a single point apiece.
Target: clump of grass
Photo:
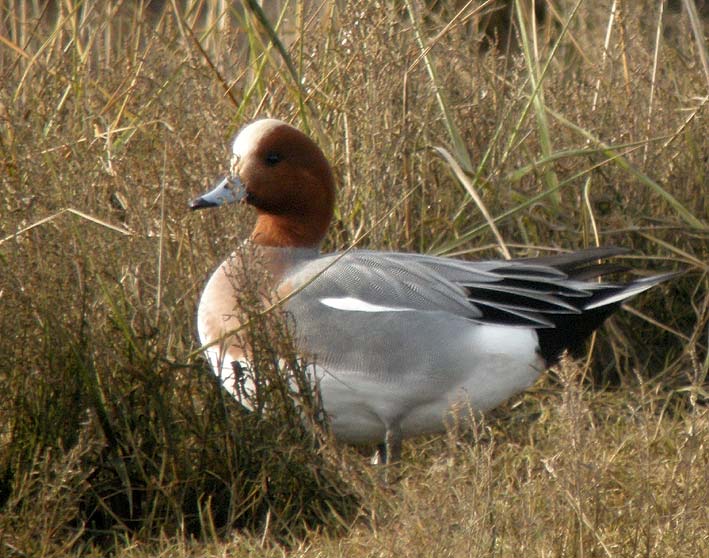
(146, 444)
(102, 408)
(115, 435)
(579, 474)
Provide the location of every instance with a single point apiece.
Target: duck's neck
(283, 231)
(279, 261)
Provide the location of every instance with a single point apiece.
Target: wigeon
(399, 340)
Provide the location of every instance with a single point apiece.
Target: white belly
(490, 365)
(498, 363)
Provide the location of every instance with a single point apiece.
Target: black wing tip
(575, 257)
(661, 278)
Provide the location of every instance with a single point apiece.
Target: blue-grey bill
(228, 190)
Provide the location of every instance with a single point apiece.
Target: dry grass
(590, 127)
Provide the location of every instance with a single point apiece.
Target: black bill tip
(201, 203)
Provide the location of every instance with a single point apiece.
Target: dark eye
(273, 158)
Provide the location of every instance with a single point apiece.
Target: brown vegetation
(114, 434)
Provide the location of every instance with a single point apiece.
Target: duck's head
(285, 177)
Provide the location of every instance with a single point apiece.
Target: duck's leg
(392, 444)
(390, 450)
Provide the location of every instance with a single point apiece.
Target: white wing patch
(352, 304)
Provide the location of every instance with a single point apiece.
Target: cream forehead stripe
(249, 138)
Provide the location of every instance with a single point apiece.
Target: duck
(399, 341)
